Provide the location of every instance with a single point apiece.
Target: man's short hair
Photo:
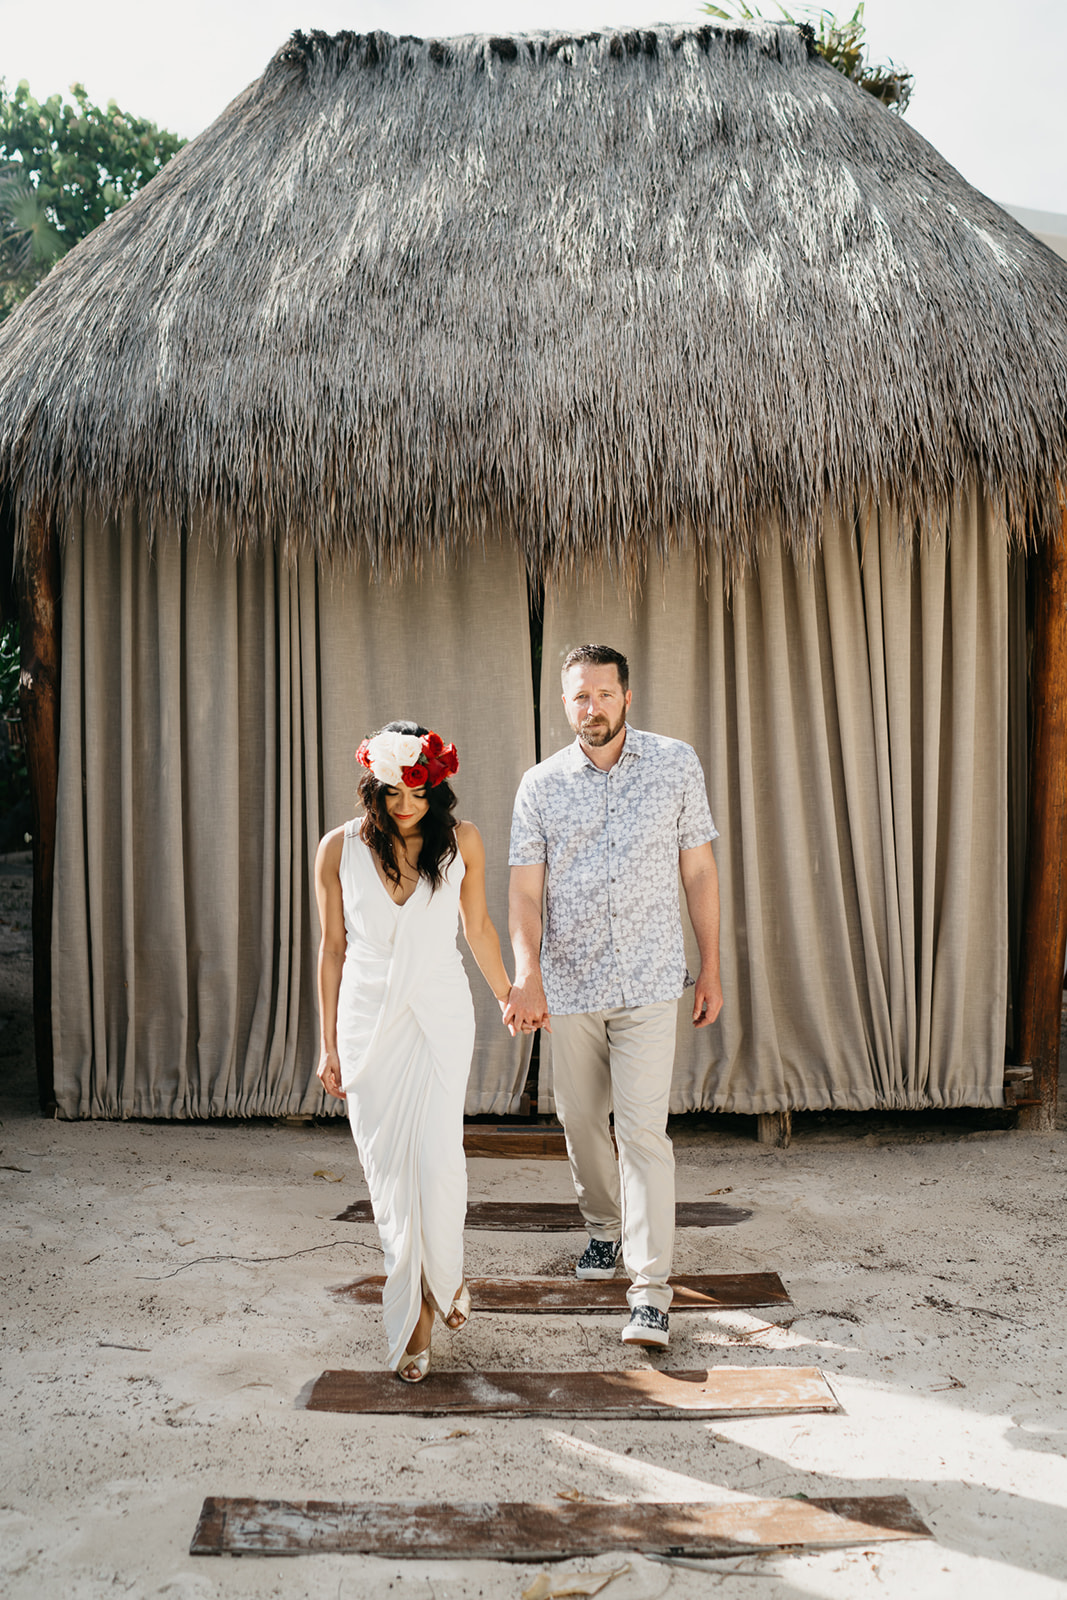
(598, 655)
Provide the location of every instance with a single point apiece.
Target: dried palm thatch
(606, 293)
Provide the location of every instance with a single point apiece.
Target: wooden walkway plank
(541, 1216)
(535, 1143)
(514, 1531)
(539, 1296)
(644, 1393)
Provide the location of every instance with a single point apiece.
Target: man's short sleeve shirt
(610, 843)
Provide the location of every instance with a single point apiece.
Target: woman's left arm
(478, 929)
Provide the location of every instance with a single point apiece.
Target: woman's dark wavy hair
(378, 831)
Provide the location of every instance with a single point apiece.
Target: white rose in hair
(390, 753)
(387, 770)
(408, 748)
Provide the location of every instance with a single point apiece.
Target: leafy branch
(841, 43)
(65, 165)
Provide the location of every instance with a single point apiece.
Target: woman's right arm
(331, 955)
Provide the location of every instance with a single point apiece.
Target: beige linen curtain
(452, 650)
(852, 718)
(210, 709)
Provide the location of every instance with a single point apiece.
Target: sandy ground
(166, 1300)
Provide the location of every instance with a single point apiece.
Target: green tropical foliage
(65, 165)
(841, 43)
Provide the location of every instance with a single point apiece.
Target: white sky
(989, 76)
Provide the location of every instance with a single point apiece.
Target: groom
(600, 833)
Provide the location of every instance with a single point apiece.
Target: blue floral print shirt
(610, 842)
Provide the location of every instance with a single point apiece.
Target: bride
(398, 1020)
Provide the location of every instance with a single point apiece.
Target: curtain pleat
(852, 718)
(211, 706)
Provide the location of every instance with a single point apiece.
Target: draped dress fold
(405, 1037)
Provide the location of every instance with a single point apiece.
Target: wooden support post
(38, 591)
(1044, 931)
(775, 1127)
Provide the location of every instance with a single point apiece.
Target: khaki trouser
(621, 1060)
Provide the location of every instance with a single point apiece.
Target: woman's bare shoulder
(469, 841)
(330, 846)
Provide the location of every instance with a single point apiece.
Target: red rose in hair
(363, 754)
(443, 765)
(414, 777)
(432, 744)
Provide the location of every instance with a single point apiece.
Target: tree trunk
(1044, 932)
(38, 591)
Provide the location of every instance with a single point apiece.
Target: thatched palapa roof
(606, 292)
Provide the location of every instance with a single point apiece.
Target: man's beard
(600, 732)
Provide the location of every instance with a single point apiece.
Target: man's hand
(707, 998)
(527, 1008)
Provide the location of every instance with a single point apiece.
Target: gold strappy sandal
(415, 1364)
(414, 1367)
(460, 1307)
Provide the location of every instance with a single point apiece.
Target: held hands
(330, 1074)
(707, 998)
(526, 1008)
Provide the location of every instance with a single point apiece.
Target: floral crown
(408, 758)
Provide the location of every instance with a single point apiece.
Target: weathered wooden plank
(514, 1531)
(644, 1393)
(534, 1296)
(520, 1144)
(546, 1216)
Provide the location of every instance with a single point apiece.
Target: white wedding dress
(405, 1035)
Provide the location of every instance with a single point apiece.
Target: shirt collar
(633, 746)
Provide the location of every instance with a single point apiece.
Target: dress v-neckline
(398, 905)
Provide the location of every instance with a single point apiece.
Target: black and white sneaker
(599, 1259)
(646, 1326)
